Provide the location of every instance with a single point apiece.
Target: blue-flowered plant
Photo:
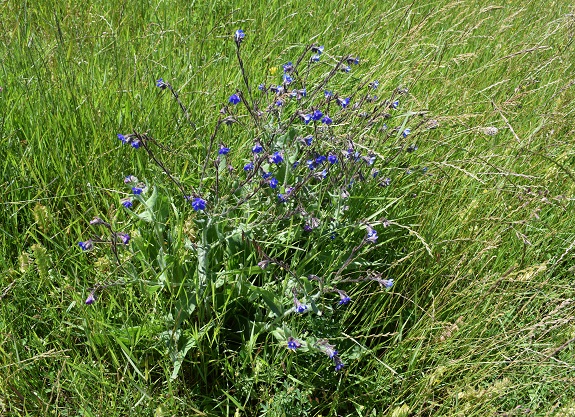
(268, 217)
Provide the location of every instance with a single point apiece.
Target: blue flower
(328, 349)
(293, 344)
(343, 102)
(327, 94)
(161, 84)
(135, 142)
(308, 140)
(374, 173)
(320, 159)
(276, 158)
(137, 190)
(126, 202)
(198, 204)
(288, 68)
(338, 363)
(395, 104)
(374, 84)
(235, 99)
(262, 87)
(282, 198)
(352, 60)
(87, 245)
(345, 68)
(310, 164)
(307, 118)
(91, 299)
(302, 92)
(316, 115)
(249, 166)
(124, 237)
(387, 283)
(344, 298)
(406, 133)
(257, 148)
(332, 159)
(371, 235)
(315, 58)
(273, 183)
(277, 90)
(129, 179)
(299, 307)
(327, 120)
(295, 165)
(266, 175)
(239, 36)
(123, 138)
(224, 150)
(369, 159)
(317, 49)
(279, 103)
(287, 79)
(385, 182)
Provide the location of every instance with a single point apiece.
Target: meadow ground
(480, 319)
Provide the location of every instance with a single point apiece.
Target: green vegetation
(480, 246)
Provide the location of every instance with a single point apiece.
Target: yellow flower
(273, 70)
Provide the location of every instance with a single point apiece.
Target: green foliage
(481, 327)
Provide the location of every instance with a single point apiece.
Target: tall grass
(479, 324)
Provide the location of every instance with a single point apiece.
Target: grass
(481, 326)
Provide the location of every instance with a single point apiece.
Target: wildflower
(292, 343)
(87, 245)
(315, 58)
(387, 283)
(328, 349)
(343, 102)
(412, 148)
(295, 165)
(97, 221)
(316, 115)
(395, 104)
(198, 204)
(385, 182)
(317, 49)
(287, 79)
(262, 87)
(279, 103)
(137, 190)
(273, 183)
(374, 173)
(224, 150)
(124, 237)
(249, 166)
(371, 235)
(282, 198)
(327, 94)
(301, 93)
(344, 298)
(91, 298)
(406, 132)
(307, 140)
(266, 175)
(338, 363)
(320, 159)
(307, 118)
(277, 90)
(239, 36)
(307, 228)
(374, 84)
(369, 159)
(288, 68)
(161, 84)
(129, 179)
(351, 60)
(327, 120)
(310, 164)
(345, 68)
(123, 138)
(299, 307)
(127, 202)
(276, 158)
(235, 99)
(322, 174)
(257, 148)
(332, 159)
